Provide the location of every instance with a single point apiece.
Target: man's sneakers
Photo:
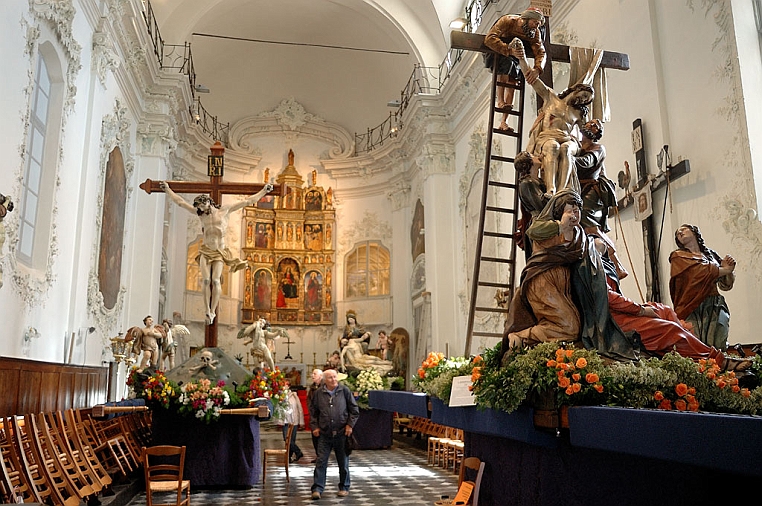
(342, 493)
(315, 495)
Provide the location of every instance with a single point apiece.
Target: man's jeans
(326, 442)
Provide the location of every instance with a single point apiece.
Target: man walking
(333, 413)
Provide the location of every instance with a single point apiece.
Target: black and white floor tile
(399, 476)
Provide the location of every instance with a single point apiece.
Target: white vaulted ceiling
(347, 87)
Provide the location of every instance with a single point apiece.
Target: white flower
(200, 413)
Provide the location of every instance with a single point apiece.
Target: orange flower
(576, 387)
(563, 382)
(692, 390)
(658, 395)
(576, 376)
(550, 363)
(591, 377)
(721, 383)
(569, 390)
(746, 392)
(693, 406)
(478, 359)
(598, 388)
(736, 388)
(569, 353)
(581, 363)
(421, 373)
(681, 405)
(560, 374)
(476, 373)
(559, 354)
(665, 404)
(681, 389)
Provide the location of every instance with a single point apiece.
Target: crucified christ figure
(213, 254)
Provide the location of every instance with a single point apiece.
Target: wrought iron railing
(422, 80)
(179, 57)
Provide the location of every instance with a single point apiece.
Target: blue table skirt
(373, 429)
(409, 403)
(225, 453)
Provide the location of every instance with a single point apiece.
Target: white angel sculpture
(259, 333)
(169, 343)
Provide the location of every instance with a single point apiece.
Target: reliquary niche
(288, 246)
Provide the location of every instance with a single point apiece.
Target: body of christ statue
(213, 255)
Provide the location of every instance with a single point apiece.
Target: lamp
(119, 347)
(458, 23)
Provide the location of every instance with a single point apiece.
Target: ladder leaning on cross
(555, 52)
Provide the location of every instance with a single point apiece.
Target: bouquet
(436, 373)
(155, 388)
(365, 381)
(268, 384)
(203, 400)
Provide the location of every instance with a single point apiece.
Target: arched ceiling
(374, 46)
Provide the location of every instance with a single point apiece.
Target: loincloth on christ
(218, 255)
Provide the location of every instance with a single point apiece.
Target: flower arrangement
(155, 388)
(571, 376)
(436, 373)
(267, 383)
(363, 382)
(203, 400)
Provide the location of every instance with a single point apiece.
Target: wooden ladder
(495, 256)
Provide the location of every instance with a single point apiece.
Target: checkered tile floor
(398, 476)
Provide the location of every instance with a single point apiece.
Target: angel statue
(146, 342)
(259, 333)
(169, 344)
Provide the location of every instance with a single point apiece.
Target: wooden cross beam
(649, 226)
(215, 188)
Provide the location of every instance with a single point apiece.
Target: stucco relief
(367, 228)
(735, 209)
(104, 58)
(290, 119)
(32, 287)
(115, 133)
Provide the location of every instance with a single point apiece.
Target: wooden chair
(70, 428)
(163, 469)
(110, 431)
(23, 479)
(110, 453)
(42, 453)
(278, 456)
(402, 422)
(471, 465)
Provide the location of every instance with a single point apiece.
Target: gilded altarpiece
(288, 245)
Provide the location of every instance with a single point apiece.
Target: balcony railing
(180, 58)
(423, 80)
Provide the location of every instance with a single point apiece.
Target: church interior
(372, 121)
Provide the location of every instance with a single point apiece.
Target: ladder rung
(499, 158)
(510, 133)
(502, 184)
(500, 209)
(508, 85)
(498, 260)
(510, 111)
(498, 234)
(494, 284)
(486, 334)
(491, 309)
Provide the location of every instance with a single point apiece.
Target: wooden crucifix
(215, 189)
(660, 180)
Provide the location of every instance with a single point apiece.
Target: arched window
(367, 271)
(193, 281)
(42, 156)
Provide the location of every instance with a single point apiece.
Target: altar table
(221, 454)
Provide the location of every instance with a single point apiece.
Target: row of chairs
(445, 444)
(64, 458)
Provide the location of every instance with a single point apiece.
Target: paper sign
(460, 395)
(464, 493)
